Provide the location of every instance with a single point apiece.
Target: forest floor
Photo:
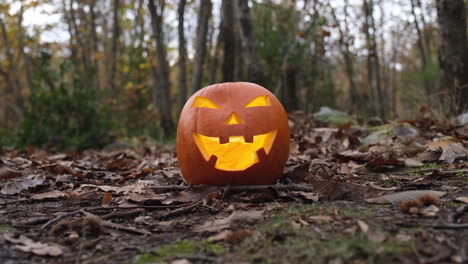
(348, 195)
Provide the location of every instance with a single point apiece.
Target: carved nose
(233, 119)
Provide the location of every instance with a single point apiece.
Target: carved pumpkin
(232, 134)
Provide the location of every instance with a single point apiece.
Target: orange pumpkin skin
(232, 116)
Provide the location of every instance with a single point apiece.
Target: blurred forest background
(80, 73)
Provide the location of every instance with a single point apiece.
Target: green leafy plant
(66, 119)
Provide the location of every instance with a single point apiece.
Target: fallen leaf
(49, 195)
(190, 195)
(453, 152)
(320, 218)
(17, 185)
(363, 226)
(146, 197)
(404, 196)
(308, 196)
(230, 236)
(137, 187)
(7, 173)
(237, 218)
(26, 244)
(413, 163)
(106, 199)
(463, 199)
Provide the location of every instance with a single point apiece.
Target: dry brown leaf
(26, 244)
(404, 196)
(230, 236)
(49, 195)
(137, 187)
(320, 218)
(17, 185)
(106, 199)
(7, 173)
(463, 199)
(146, 197)
(413, 163)
(363, 226)
(309, 196)
(453, 152)
(190, 195)
(237, 218)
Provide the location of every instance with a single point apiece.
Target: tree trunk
(215, 60)
(200, 43)
(453, 51)
(422, 53)
(115, 43)
(347, 57)
(254, 68)
(182, 56)
(15, 89)
(229, 40)
(288, 87)
(373, 64)
(162, 92)
(94, 44)
(26, 61)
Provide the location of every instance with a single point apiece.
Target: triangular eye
(204, 102)
(262, 100)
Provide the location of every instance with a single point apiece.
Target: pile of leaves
(393, 193)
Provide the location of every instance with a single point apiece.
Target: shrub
(66, 119)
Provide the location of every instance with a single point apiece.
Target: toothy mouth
(235, 153)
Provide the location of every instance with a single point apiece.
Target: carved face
(232, 133)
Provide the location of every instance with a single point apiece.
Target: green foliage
(284, 36)
(63, 114)
(180, 249)
(66, 119)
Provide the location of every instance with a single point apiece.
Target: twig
(16, 201)
(58, 218)
(125, 228)
(98, 208)
(119, 226)
(448, 226)
(239, 188)
(180, 210)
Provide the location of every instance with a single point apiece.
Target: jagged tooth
(248, 138)
(212, 160)
(261, 154)
(223, 140)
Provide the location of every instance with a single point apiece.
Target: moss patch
(182, 248)
(279, 240)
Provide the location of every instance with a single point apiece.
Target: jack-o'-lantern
(232, 134)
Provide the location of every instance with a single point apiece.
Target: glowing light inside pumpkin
(204, 102)
(236, 155)
(233, 119)
(262, 100)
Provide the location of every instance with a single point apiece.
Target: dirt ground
(403, 199)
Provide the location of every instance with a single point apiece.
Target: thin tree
(453, 51)
(25, 57)
(15, 86)
(200, 43)
(347, 55)
(422, 52)
(373, 64)
(254, 68)
(162, 92)
(182, 55)
(115, 43)
(229, 40)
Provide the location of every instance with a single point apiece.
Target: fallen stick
(239, 188)
(118, 226)
(449, 226)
